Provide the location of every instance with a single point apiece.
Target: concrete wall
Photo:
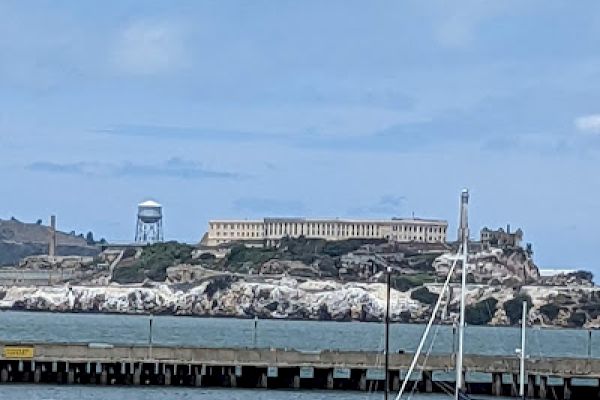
(565, 367)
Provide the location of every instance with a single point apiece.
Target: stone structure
(52, 240)
(500, 238)
(493, 266)
(271, 230)
(195, 291)
(45, 270)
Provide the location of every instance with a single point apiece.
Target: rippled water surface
(216, 332)
(31, 392)
(303, 335)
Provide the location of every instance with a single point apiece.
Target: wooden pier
(107, 364)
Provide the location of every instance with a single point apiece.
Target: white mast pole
(413, 364)
(464, 237)
(522, 369)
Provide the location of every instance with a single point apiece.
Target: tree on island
(89, 238)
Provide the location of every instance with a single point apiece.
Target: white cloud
(461, 20)
(589, 124)
(455, 32)
(149, 48)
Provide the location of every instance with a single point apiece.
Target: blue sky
(236, 109)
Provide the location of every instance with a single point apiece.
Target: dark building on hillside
(501, 238)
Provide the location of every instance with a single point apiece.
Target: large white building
(270, 230)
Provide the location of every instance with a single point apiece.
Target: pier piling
(263, 380)
(273, 368)
(428, 381)
(514, 386)
(70, 376)
(543, 394)
(530, 386)
(497, 384)
(330, 380)
(567, 389)
(167, 376)
(37, 375)
(137, 376)
(362, 383)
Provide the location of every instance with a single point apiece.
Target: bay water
(17, 326)
(300, 335)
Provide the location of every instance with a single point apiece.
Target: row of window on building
(240, 234)
(229, 226)
(320, 229)
(415, 228)
(402, 232)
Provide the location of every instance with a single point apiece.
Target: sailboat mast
(463, 235)
(386, 388)
(522, 360)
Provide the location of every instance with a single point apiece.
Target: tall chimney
(52, 244)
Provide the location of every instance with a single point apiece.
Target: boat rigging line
(427, 328)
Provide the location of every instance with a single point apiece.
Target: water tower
(149, 227)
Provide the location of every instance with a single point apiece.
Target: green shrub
(128, 275)
(422, 262)
(338, 248)
(241, 254)
(584, 275)
(207, 257)
(217, 284)
(593, 309)
(423, 295)
(327, 266)
(550, 311)
(481, 313)
(514, 307)
(292, 248)
(577, 319)
(406, 282)
(564, 299)
(402, 283)
(154, 261)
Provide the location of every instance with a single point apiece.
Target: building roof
(416, 221)
(149, 203)
(235, 221)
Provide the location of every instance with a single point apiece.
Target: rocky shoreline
(289, 298)
(302, 280)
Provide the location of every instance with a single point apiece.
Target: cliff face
(219, 296)
(232, 296)
(312, 280)
(507, 267)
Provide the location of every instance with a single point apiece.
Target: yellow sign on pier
(17, 352)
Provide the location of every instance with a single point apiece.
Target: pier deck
(100, 363)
